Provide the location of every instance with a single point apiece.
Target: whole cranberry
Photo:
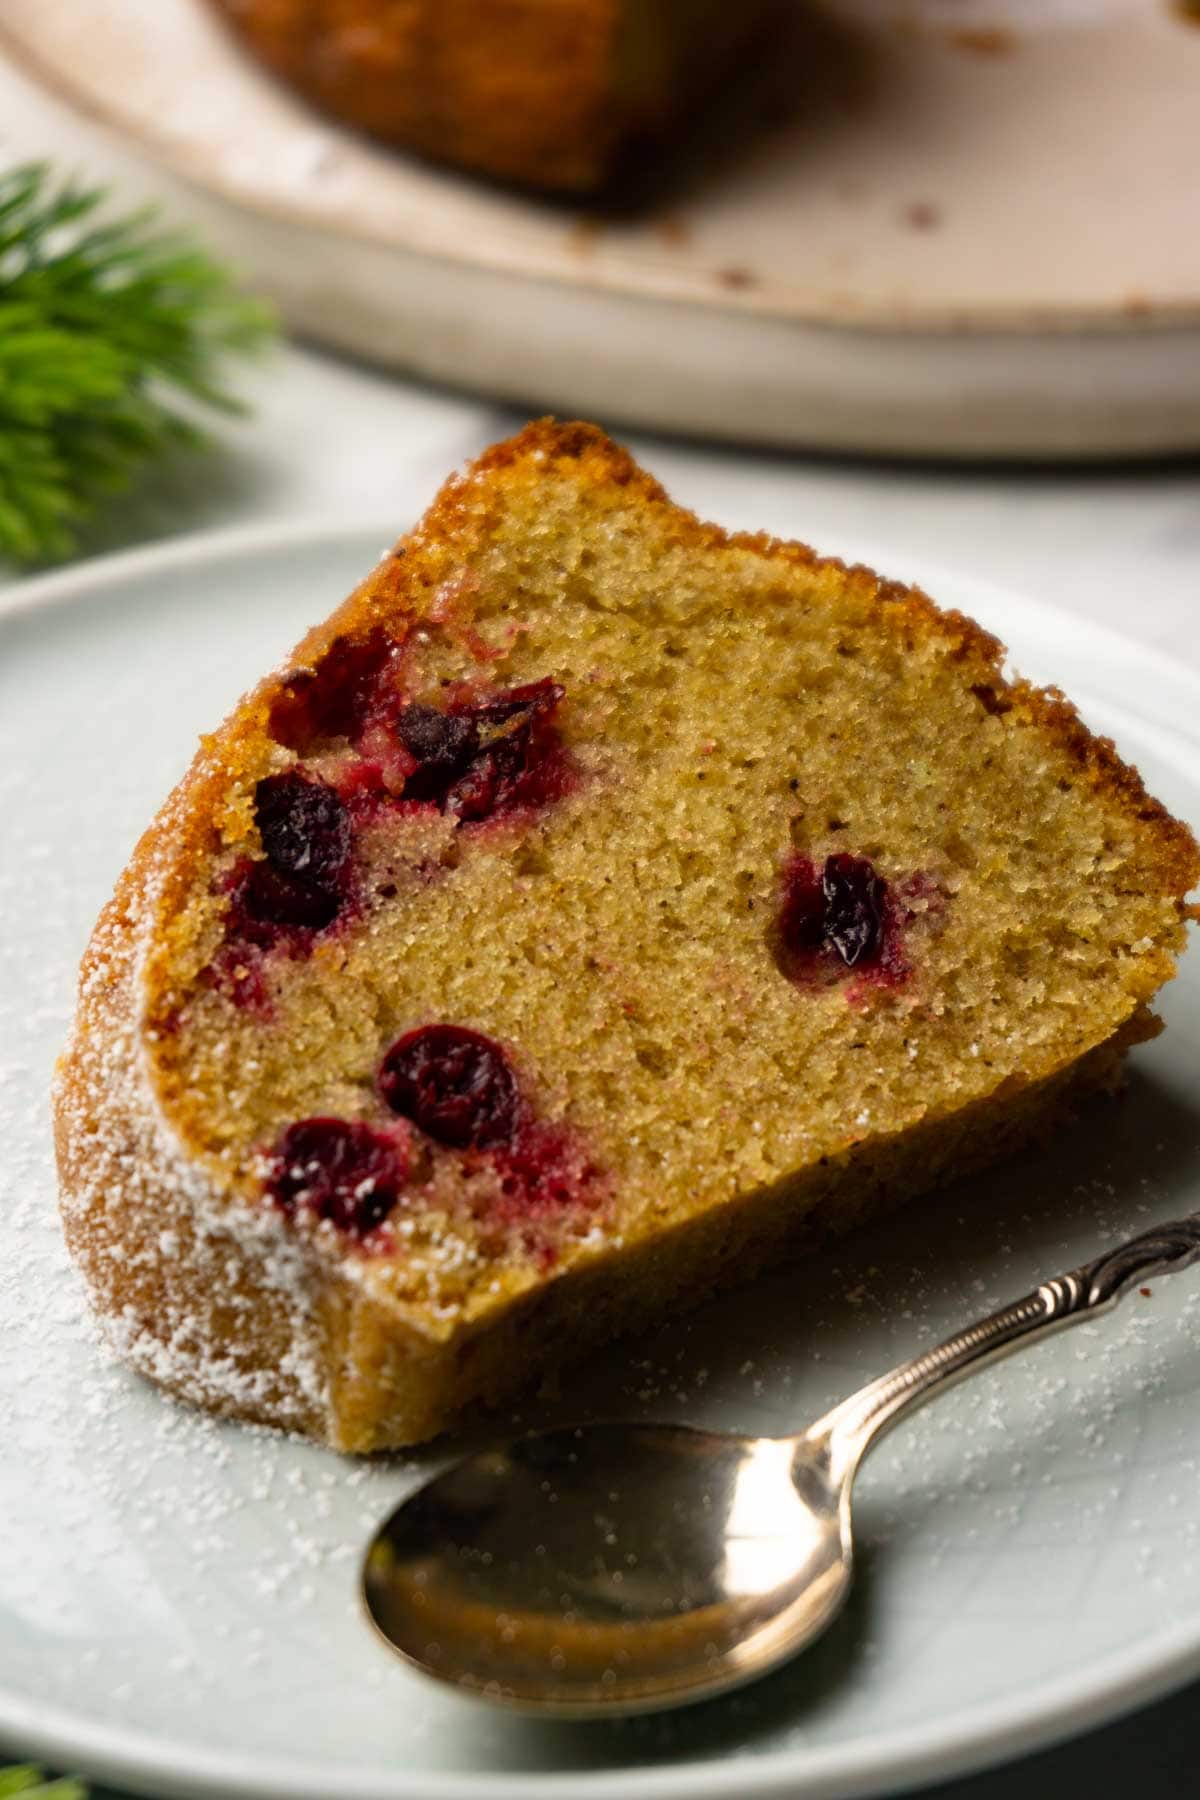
(486, 756)
(302, 882)
(442, 744)
(838, 911)
(266, 903)
(855, 898)
(304, 826)
(455, 1084)
(346, 1173)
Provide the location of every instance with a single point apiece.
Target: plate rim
(980, 1737)
(1013, 321)
(985, 1737)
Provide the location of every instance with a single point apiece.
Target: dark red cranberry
(840, 910)
(486, 756)
(263, 898)
(489, 782)
(333, 699)
(348, 1174)
(453, 1083)
(304, 826)
(521, 764)
(855, 901)
(442, 744)
(302, 884)
(802, 913)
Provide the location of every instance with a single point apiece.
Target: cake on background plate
(596, 907)
(552, 94)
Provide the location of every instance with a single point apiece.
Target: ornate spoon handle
(858, 1422)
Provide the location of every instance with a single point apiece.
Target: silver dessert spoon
(609, 1568)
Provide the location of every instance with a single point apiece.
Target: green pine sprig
(30, 1784)
(112, 337)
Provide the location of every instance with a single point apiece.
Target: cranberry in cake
(455, 1085)
(301, 878)
(351, 1175)
(594, 909)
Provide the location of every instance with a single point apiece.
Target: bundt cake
(595, 907)
(548, 93)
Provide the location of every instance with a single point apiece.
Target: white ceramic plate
(968, 231)
(177, 1597)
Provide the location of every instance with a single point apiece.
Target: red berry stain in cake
(349, 1174)
(484, 754)
(335, 698)
(369, 784)
(544, 1172)
(455, 1084)
(487, 755)
(841, 916)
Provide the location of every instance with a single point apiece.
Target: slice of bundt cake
(595, 906)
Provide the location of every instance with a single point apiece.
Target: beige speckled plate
(950, 226)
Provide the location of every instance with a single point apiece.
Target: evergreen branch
(113, 333)
(30, 1784)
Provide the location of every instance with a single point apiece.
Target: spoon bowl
(623, 1567)
(612, 1568)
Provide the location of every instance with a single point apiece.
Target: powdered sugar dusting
(193, 1312)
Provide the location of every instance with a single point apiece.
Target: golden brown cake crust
(226, 1305)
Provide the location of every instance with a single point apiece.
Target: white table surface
(330, 438)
